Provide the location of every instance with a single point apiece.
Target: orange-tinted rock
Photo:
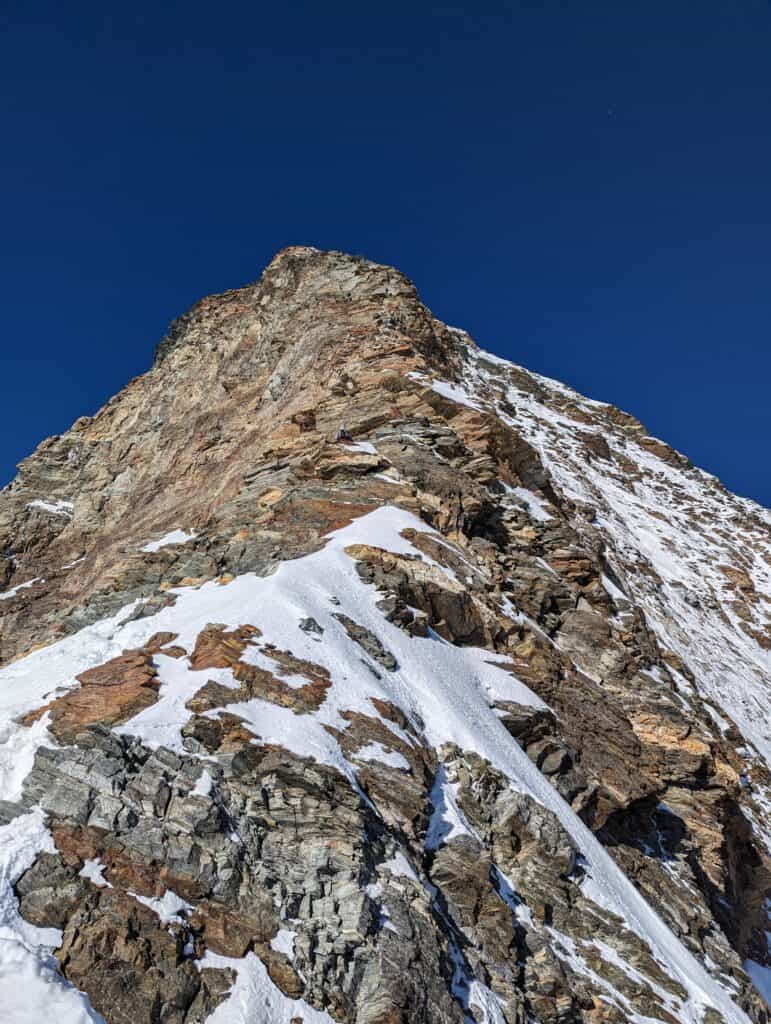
(158, 641)
(215, 647)
(111, 694)
(259, 683)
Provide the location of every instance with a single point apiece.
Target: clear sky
(585, 187)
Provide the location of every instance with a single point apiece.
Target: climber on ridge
(342, 434)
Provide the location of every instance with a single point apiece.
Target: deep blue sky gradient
(585, 187)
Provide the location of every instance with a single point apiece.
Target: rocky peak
(462, 719)
(323, 292)
(319, 338)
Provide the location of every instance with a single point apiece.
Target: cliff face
(466, 720)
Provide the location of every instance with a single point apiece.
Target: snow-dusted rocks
(462, 721)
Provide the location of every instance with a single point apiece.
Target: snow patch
(55, 507)
(21, 586)
(283, 942)
(254, 997)
(447, 819)
(362, 446)
(377, 752)
(31, 989)
(203, 786)
(169, 539)
(168, 907)
(399, 865)
(18, 746)
(760, 976)
(536, 506)
(93, 870)
(455, 393)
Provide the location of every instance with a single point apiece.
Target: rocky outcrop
(109, 694)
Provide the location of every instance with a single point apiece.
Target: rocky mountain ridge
(467, 719)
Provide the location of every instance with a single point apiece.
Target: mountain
(463, 719)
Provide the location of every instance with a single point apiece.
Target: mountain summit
(349, 673)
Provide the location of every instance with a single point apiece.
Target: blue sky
(584, 187)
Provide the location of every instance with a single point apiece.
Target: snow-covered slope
(710, 550)
(450, 690)
(695, 557)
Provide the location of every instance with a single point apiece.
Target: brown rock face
(293, 805)
(109, 694)
(215, 647)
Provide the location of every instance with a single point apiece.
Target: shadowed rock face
(402, 881)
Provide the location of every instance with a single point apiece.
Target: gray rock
(368, 642)
(310, 625)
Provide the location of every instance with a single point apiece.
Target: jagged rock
(49, 892)
(309, 625)
(109, 694)
(368, 642)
